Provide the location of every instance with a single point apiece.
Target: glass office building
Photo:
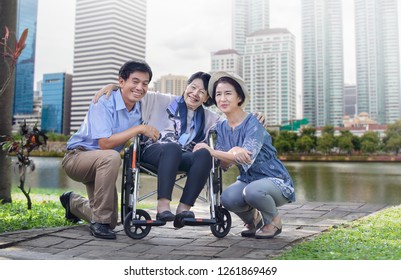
(378, 59)
(25, 68)
(248, 16)
(323, 70)
(56, 96)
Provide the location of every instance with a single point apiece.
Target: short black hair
(205, 77)
(232, 82)
(132, 66)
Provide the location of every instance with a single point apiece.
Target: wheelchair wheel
(223, 223)
(137, 231)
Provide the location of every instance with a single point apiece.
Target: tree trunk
(8, 17)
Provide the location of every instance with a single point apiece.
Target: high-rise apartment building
(378, 59)
(226, 60)
(248, 16)
(323, 71)
(107, 34)
(173, 84)
(350, 101)
(269, 70)
(56, 100)
(25, 68)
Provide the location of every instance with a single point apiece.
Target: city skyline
(183, 46)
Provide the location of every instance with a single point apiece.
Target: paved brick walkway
(300, 221)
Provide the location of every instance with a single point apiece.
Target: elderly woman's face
(195, 94)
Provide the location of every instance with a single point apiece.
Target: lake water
(314, 181)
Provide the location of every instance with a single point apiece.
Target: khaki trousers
(98, 170)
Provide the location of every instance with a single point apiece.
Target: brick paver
(300, 221)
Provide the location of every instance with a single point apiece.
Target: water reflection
(350, 182)
(314, 181)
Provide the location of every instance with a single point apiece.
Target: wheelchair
(138, 222)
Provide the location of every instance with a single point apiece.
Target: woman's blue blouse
(252, 136)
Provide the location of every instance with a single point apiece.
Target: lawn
(375, 237)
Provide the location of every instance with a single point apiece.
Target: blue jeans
(243, 198)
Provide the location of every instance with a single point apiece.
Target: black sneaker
(65, 201)
(102, 231)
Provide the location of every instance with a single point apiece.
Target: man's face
(134, 88)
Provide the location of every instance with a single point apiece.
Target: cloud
(180, 41)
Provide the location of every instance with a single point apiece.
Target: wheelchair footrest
(199, 222)
(152, 223)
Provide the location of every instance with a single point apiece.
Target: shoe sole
(268, 236)
(68, 215)
(102, 236)
(248, 234)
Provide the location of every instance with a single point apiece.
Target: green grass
(375, 237)
(46, 211)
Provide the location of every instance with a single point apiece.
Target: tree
(392, 140)
(370, 142)
(285, 141)
(344, 141)
(304, 144)
(311, 133)
(8, 17)
(326, 143)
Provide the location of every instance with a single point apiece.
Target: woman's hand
(150, 132)
(202, 146)
(106, 90)
(241, 155)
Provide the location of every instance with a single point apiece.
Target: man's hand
(106, 90)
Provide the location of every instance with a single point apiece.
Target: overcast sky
(180, 34)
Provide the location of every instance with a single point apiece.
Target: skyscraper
(107, 34)
(56, 99)
(25, 68)
(378, 60)
(323, 74)
(269, 71)
(248, 16)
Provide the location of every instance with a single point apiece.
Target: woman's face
(195, 94)
(226, 97)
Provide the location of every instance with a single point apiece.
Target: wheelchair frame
(138, 223)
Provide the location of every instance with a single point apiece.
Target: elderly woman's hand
(106, 90)
(241, 155)
(202, 146)
(261, 118)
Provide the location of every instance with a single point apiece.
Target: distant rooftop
(227, 51)
(269, 31)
